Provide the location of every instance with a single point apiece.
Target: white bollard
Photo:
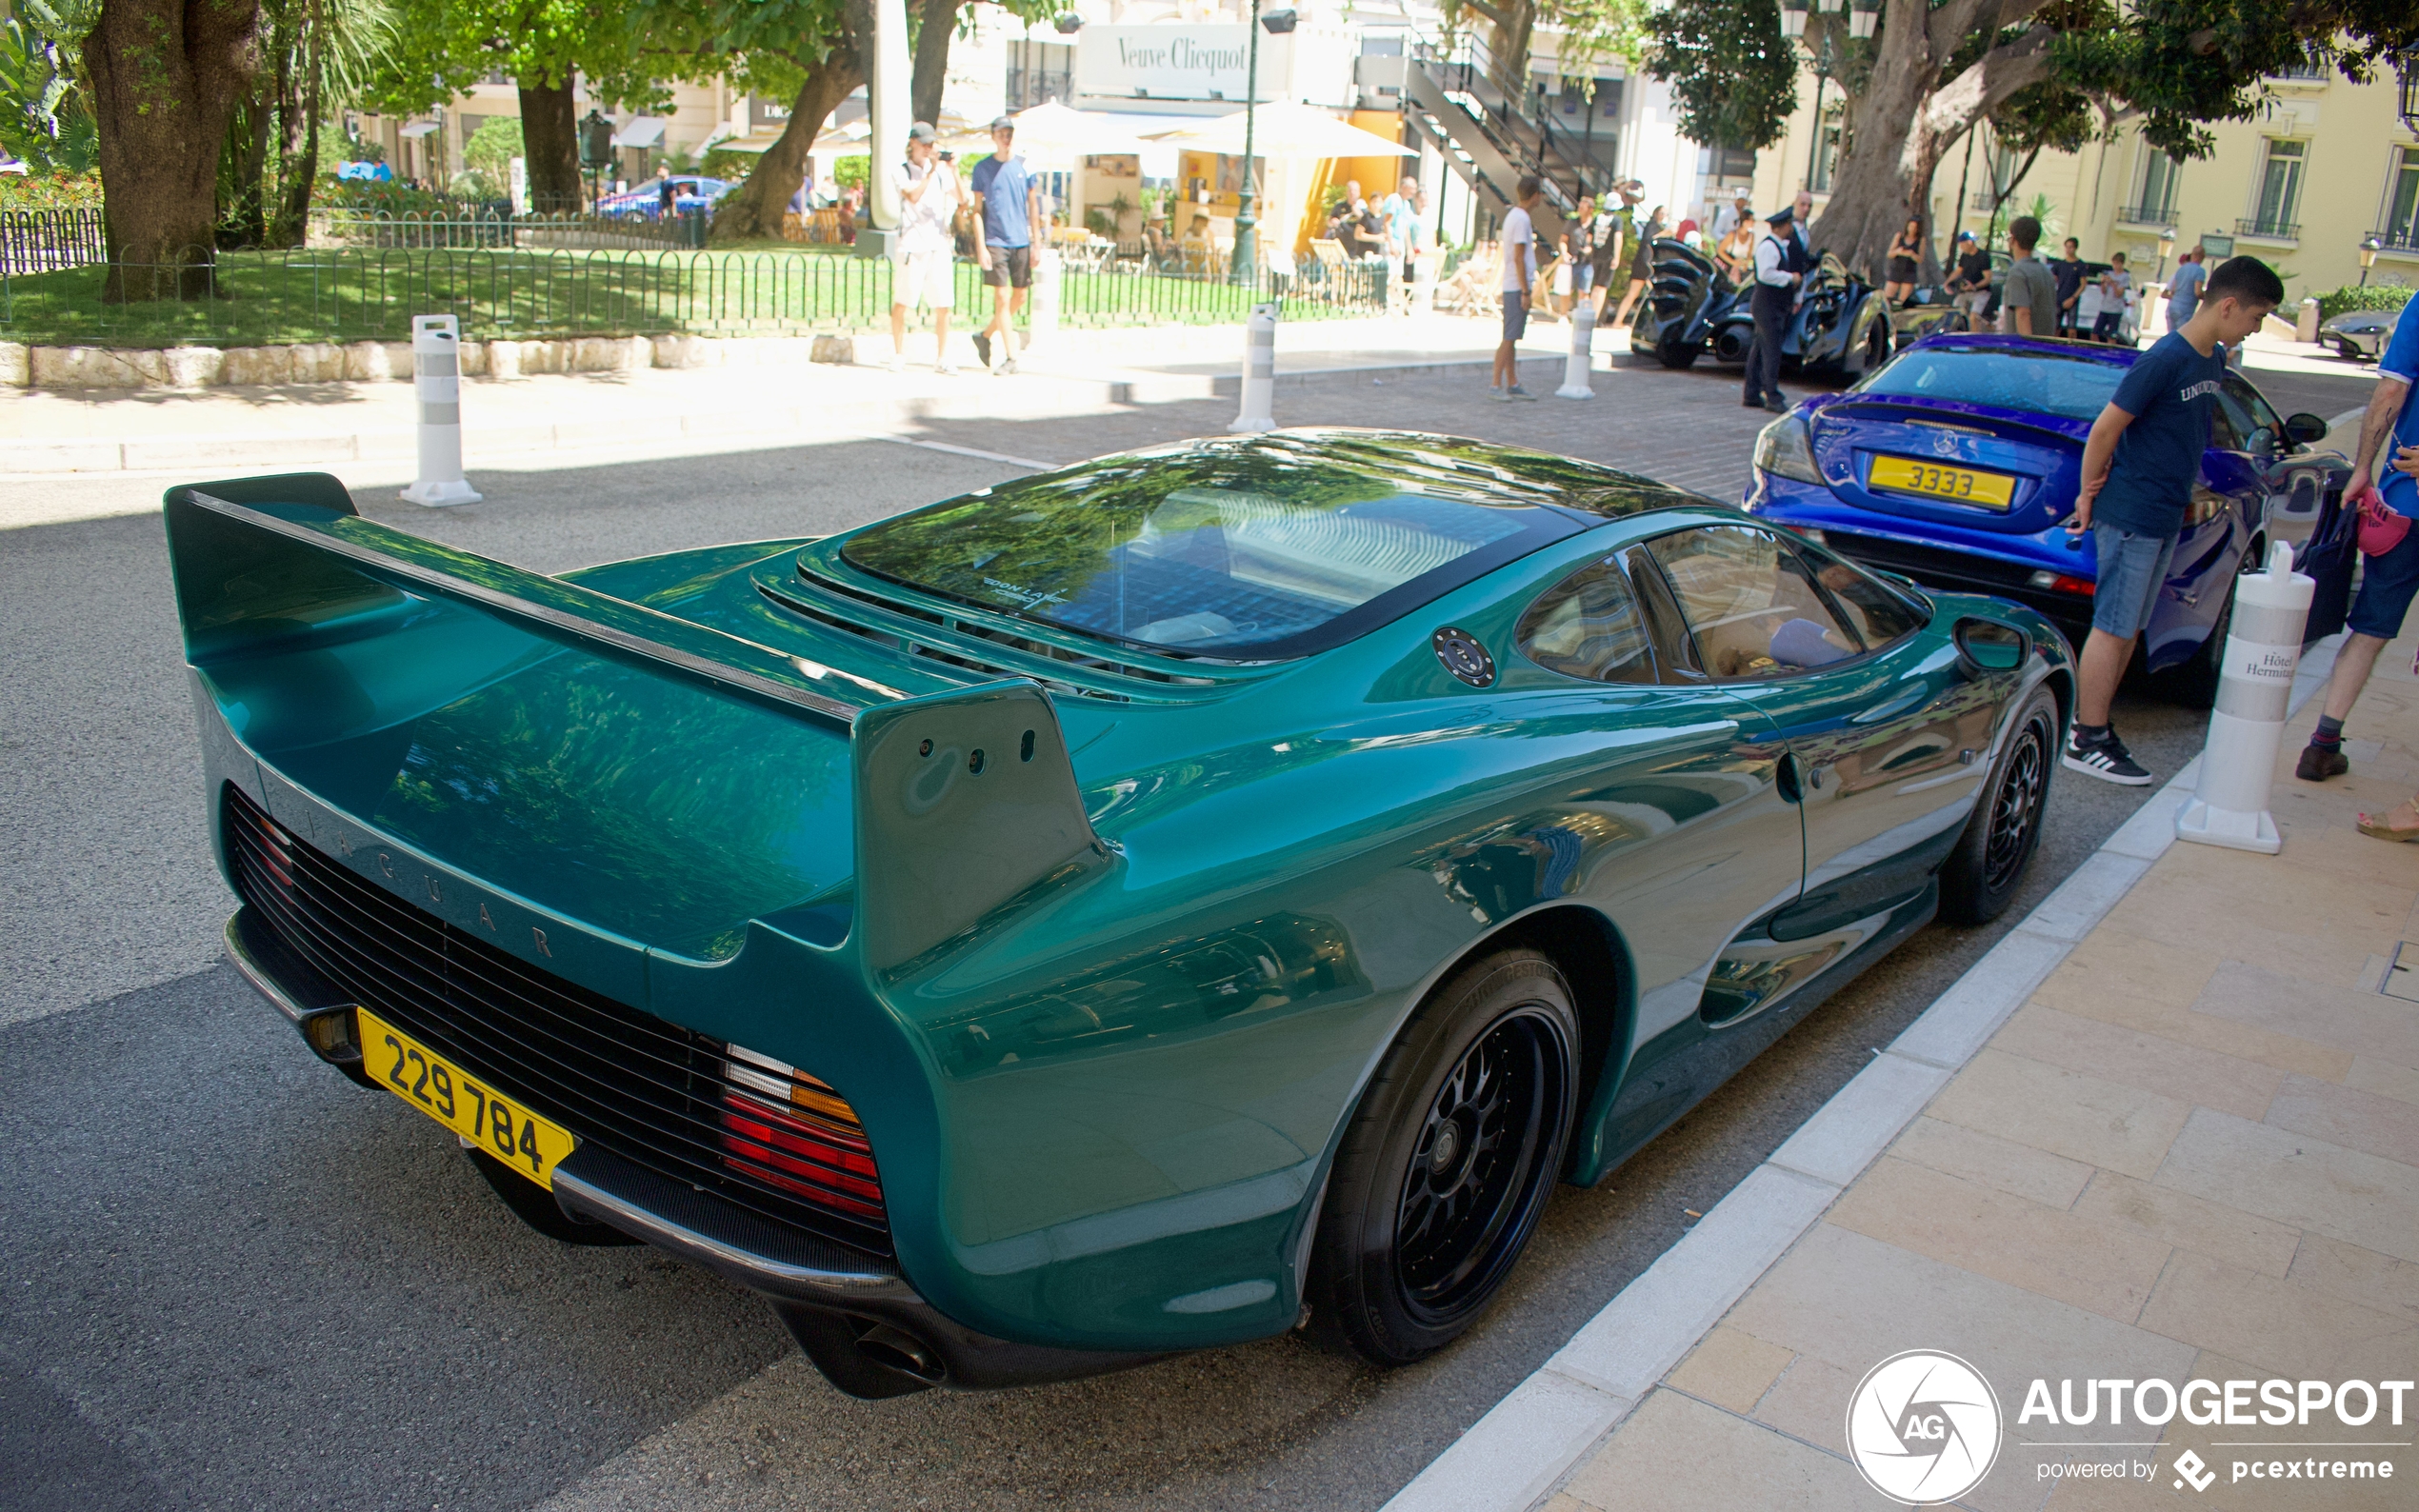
(1041, 306)
(437, 381)
(2254, 689)
(1583, 343)
(1259, 372)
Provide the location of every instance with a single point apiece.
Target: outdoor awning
(1283, 130)
(417, 129)
(640, 130)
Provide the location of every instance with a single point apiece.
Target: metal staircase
(1492, 139)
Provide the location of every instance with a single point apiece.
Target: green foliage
(2364, 296)
(1733, 73)
(492, 147)
(57, 189)
(45, 119)
(851, 172)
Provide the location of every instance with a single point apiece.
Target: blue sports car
(1957, 463)
(644, 201)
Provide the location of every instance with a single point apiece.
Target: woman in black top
(1905, 262)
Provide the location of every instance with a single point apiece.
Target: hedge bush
(2370, 297)
(57, 190)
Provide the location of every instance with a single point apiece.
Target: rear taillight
(792, 1131)
(2061, 583)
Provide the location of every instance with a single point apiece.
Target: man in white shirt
(1519, 243)
(924, 254)
(1725, 220)
(1781, 265)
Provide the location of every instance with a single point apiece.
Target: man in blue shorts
(2387, 582)
(1008, 197)
(2139, 466)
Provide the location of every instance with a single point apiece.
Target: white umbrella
(1053, 131)
(1283, 130)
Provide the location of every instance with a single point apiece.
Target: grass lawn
(342, 294)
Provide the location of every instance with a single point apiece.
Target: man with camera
(923, 256)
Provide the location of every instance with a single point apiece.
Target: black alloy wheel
(1448, 1162)
(1981, 876)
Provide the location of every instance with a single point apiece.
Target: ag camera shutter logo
(1923, 1426)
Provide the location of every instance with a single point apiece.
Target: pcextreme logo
(1923, 1426)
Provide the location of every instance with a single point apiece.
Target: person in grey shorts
(2139, 466)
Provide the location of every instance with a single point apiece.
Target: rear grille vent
(724, 1120)
(830, 602)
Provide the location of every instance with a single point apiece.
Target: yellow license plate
(1985, 490)
(463, 1103)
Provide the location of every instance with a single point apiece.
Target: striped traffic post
(437, 381)
(1259, 372)
(2255, 693)
(1582, 350)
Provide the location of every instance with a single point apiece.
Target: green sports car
(1162, 903)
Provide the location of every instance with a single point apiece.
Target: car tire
(1448, 1162)
(1981, 876)
(1674, 355)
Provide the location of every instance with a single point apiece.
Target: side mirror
(2306, 429)
(1987, 646)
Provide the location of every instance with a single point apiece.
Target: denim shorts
(1516, 315)
(2387, 584)
(2133, 568)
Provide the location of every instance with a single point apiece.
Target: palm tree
(317, 56)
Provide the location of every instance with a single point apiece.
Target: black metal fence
(565, 230)
(46, 240)
(341, 294)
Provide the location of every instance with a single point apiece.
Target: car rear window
(2076, 388)
(1240, 556)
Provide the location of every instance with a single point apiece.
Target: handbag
(2382, 527)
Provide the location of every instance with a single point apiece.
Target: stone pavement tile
(2279, 1326)
(2154, 1494)
(1730, 1369)
(2190, 1223)
(2083, 1118)
(2343, 1018)
(1679, 1455)
(1810, 1401)
(2349, 894)
(2341, 853)
(2357, 1275)
(1565, 1502)
(2183, 1072)
(2346, 1116)
(2178, 1022)
(1853, 1302)
(2116, 963)
(2374, 1073)
(2051, 1179)
(2294, 1179)
(2105, 1269)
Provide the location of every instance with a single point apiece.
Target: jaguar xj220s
(1138, 907)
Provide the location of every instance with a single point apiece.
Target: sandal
(2380, 831)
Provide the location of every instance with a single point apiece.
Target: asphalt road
(235, 1280)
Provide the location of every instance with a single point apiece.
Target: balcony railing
(2398, 238)
(2273, 230)
(2158, 214)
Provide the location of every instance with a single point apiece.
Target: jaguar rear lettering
(487, 918)
(543, 949)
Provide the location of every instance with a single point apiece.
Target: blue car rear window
(1247, 554)
(2076, 388)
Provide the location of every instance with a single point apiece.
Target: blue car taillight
(1784, 450)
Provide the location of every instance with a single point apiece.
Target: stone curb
(1529, 1443)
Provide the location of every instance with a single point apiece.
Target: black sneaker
(2105, 759)
(983, 347)
(2319, 763)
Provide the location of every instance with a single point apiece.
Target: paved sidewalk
(2192, 1154)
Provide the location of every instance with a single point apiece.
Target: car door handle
(1785, 777)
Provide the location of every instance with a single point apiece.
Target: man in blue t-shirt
(2139, 467)
(1009, 199)
(2387, 582)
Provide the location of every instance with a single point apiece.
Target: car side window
(1876, 614)
(2263, 428)
(1751, 604)
(1588, 626)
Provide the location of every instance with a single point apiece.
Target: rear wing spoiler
(963, 802)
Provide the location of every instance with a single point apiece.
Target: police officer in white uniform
(1781, 263)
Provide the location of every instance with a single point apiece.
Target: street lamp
(1247, 221)
(1862, 16)
(2370, 246)
(2167, 245)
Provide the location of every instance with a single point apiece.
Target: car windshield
(1241, 554)
(2076, 388)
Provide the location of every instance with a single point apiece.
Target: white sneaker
(946, 368)
(896, 363)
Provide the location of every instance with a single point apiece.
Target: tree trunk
(294, 219)
(1907, 115)
(754, 210)
(1507, 39)
(932, 58)
(166, 76)
(550, 145)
